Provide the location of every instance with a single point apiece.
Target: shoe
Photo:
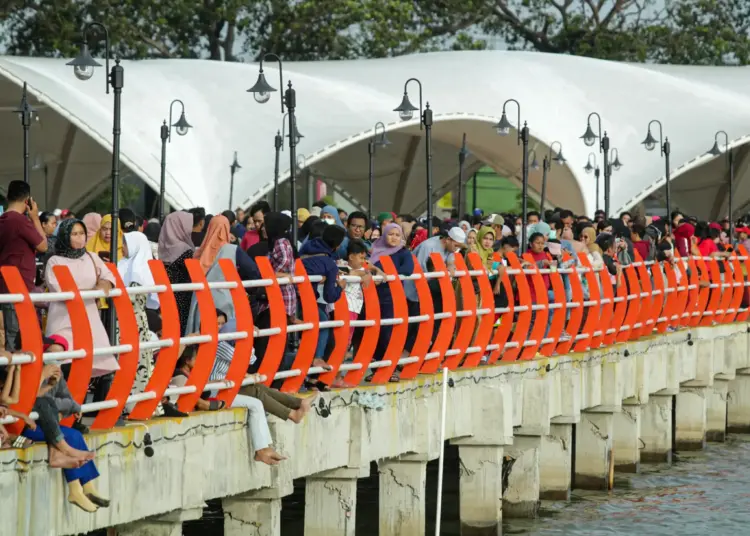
(170, 410)
(99, 501)
(78, 425)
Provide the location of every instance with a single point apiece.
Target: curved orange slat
(122, 383)
(593, 315)
(243, 348)
(737, 289)
(674, 296)
(647, 303)
(487, 301)
(369, 342)
(659, 273)
(271, 361)
(523, 323)
(340, 340)
(658, 302)
(576, 313)
(699, 268)
(743, 315)
(558, 315)
(168, 356)
(424, 333)
(80, 370)
(465, 324)
(308, 339)
(206, 355)
(621, 309)
(714, 295)
(503, 331)
(634, 303)
(606, 298)
(31, 341)
(542, 315)
(726, 290)
(447, 325)
(399, 331)
(690, 296)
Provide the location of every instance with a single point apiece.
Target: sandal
(395, 378)
(216, 405)
(21, 442)
(318, 385)
(78, 425)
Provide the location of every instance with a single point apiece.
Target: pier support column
(402, 497)
(716, 411)
(244, 515)
(594, 451)
(481, 490)
(331, 502)
(521, 497)
(165, 525)
(691, 418)
(656, 430)
(738, 403)
(555, 463)
(626, 442)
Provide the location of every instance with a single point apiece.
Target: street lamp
(503, 128)
(278, 144)
(261, 91)
(650, 144)
(546, 166)
(716, 151)
(232, 170)
(588, 168)
(462, 154)
(25, 114)
(589, 138)
(181, 126)
(406, 111)
(83, 68)
(375, 142)
(534, 162)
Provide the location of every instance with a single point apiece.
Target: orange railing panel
(523, 324)
(423, 338)
(487, 301)
(370, 336)
(276, 343)
(447, 325)
(308, 340)
(465, 324)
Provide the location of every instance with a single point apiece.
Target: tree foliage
(709, 32)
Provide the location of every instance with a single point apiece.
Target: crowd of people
(330, 244)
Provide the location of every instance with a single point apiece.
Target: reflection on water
(707, 492)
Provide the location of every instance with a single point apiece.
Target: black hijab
(62, 244)
(304, 231)
(152, 231)
(278, 225)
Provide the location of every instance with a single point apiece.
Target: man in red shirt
(21, 238)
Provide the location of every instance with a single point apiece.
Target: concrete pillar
(626, 442)
(243, 515)
(593, 451)
(331, 503)
(690, 416)
(716, 411)
(481, 490)
(521, 498)
(555, 463)
(402, 497)
(738, 403)
(656, 430)
(165, 525)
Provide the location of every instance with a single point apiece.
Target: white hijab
(134, 268)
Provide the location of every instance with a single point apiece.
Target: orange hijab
(217, 236)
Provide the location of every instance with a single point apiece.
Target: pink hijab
(93, 223)
(381, 248)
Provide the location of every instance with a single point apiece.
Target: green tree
(531, 204)
(102, 203)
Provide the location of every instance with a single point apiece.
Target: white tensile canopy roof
(338, 104)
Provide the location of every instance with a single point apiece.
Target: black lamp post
(462, 154)
(181, 126)
(83, 68)
(261, 91)
(25, 114)
(503, 128)
(232, 170)
(375, 142)
(650, 144)
(546, 166)
(589, 138)
(406, 111)
(588, 168)
(716, 151)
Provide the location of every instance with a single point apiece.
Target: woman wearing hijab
(152, 231)
(305, 229)
(330, 215)
(89, 273)
(92, 221)
(214, 248)
(100, 243)
(391, 244)
(175, 247)
(135, 272)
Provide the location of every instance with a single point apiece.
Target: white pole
(441, 460)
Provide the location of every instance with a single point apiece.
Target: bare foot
(60, 460)
(83, 455)
(318, 362)
(296, 416)
(268, 456)
(307, 403)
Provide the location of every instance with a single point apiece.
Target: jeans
(320, 348)
(48, 420)
(12, 330)
(260, 434)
